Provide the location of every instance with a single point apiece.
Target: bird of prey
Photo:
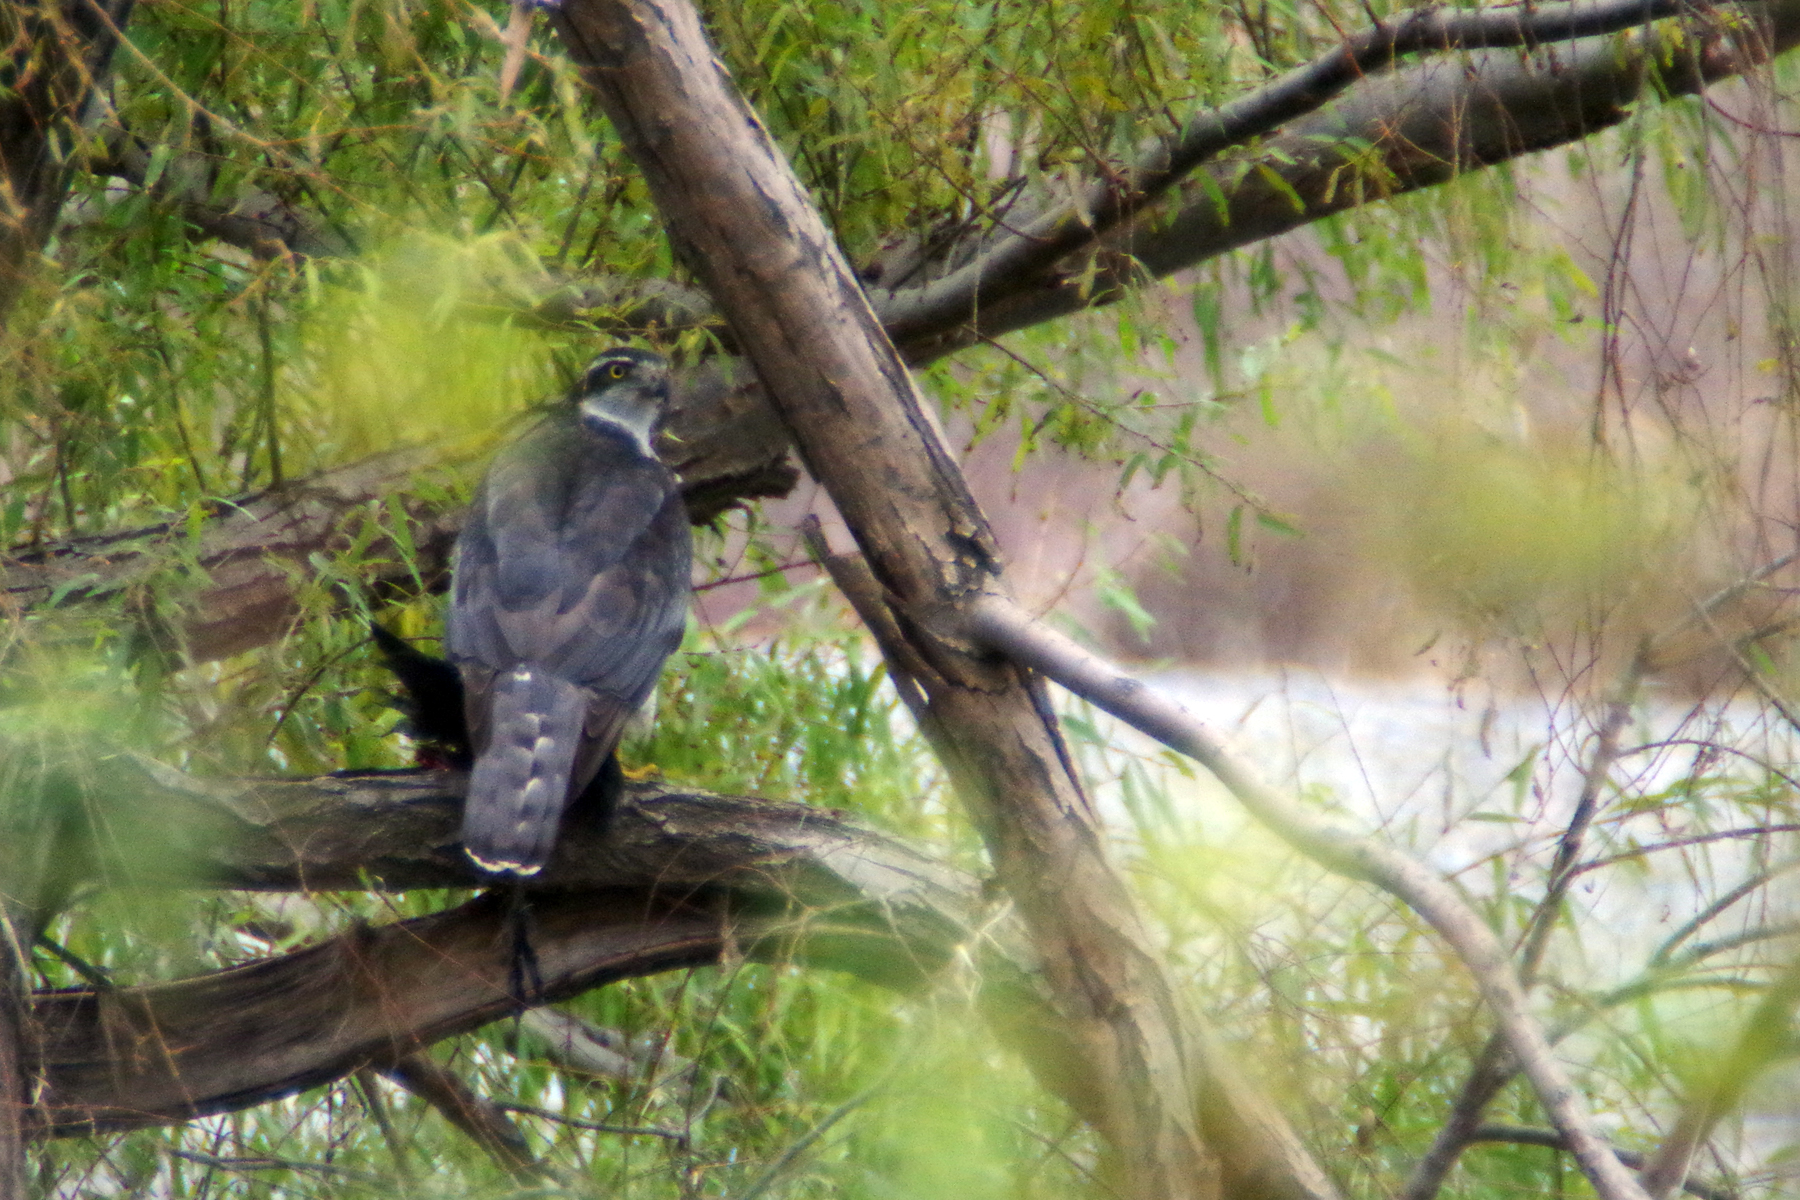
(571, 584)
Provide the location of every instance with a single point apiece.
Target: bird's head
(626, 389)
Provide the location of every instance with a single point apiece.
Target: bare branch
(693, 874)
(1390, 133)
(576, 1045)
(237, 587)
(1002, 625)
(1027, 246)
(484, 1121)
(1516, 1135)
(531, 1110)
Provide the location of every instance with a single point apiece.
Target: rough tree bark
(743, 222)
(681, 879)
(237, 589)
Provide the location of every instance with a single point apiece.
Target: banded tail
(520, 784)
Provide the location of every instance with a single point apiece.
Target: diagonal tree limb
(1259, 1150)
(1514, 1135)
(1001, 624)
(1025, 246)
(738, 215)
(1494, 1064)
(1389, 134)
(484, 1122)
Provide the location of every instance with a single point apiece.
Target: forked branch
(1001, 624)
(680, 879)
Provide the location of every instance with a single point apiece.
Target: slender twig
(1706, 744)
(481, 1119)
(1001, 624)
(672, 1135)
(1759, 1042)
(1518, 1135)
(96, 977)
(377, 1108)
(851, 574)
(1565, 867)
(752, 576)
(1724, 596)
(266, 1163)
(1689, 928)
(776, 1169)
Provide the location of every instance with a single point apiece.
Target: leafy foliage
(156, 373)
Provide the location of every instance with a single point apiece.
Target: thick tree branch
(260, 222)
(237, 587)
(741, 218)
(1008, 629)
(397, 831)
(1389, 134)
(168, 1052)
(484, 1122)
(681, 879)
(1024, 246)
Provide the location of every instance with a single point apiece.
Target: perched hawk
(570, 590)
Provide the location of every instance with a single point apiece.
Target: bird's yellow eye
(617, 371)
